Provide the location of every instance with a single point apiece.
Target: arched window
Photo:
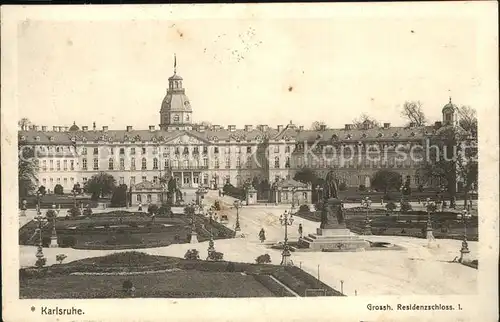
(139, 199)
(166, 163)
(287, 163)
(144, 164)
(132, 163)
(277, 162)
(176, 118)
(186, 164)
(149, 198)
(155, 164)
(187, 117)
(111, 164)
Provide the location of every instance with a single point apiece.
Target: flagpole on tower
(175, 64)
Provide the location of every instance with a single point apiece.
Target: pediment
(186, 139)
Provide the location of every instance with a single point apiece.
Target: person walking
(262, 235)
(300, 230)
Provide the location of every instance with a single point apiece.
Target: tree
(119, 197)
(468, 119)
(23, 123)
(152, 209)
(318, 125)
(77, 188)
(27, 170)
(385, 180)
(365, 121)
(413, 112)
(60, 258)
(58, 189)
(306, 175)
(452, 154)
(42, 190)
(100, 185)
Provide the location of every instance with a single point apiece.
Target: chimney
(104, 128)
(216, 127)
(44, 128)
(129, 128)
(263, 127)
(85, 128)
(93, 126)
(348, 127)
(301, 127)
(231, 128)
(412, 124)
(322, 127)
(438, 124)
(387, 125)
(35, 127)
(248, 128)
(280, 128)
(151, 128)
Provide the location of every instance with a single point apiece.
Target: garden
(122, 230)
(161, 276)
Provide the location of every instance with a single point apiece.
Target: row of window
(176, 150)
(66, 165)
(50, 182)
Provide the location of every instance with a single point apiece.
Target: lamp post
(194, 235)
(294, 190)
(237, 205)
(319, 192)
(286, 220)
(210, 214)
(430, 207)
(211, 248)
(464, 251)
(53, 237)
(366, 203)
(40, 224)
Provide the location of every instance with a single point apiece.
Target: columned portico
(188, 178)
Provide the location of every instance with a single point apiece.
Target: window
(155, 150)
(196, 150)
(72, 165)
(111, 151)
(132, 151)
(139, 199)
(65, 181)
(249, 149)
(44, 181)
(186, 150)
(205, 162)
(72, 179)
(186, 164)
(58, 149)
(143, 150)
(249, 163)
(96, 164)
(287, 162)
(84, 164)
(166, 163)
(58, 180)
(96, 151)
(144, 178)
(51, 181)
(228, 150)
(216, 163)
(144, 164)
(65, 164)
(155, 164)
(122, 151)
(196, 179)
(287, 149)
(155, 179)
(277, 162)
(58, 165)
(205, 150)
(277, 149)
(238, 163)
(122, 164)
(176, 118)
(84, 179)
(175, 164)
(176, 150)
(44, 165)
(132, 163)
(122, 180)
(110, 164)
(238, 149)
(228, 163)
(216, 149)
(132, 180)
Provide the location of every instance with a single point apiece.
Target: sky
(252, 70)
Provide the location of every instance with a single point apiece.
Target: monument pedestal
(53, 242)
(333, 239)
(194, 238)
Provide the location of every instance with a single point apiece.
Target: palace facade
(212, 155)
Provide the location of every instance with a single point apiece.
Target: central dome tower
(176, 112)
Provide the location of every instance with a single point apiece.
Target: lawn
(123, 230)
(178, 284)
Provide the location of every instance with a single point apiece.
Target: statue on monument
(331, 214)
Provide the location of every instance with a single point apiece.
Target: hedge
(272, 285)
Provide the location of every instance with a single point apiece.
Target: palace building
(212, 155)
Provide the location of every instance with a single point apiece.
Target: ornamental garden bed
(179, 278)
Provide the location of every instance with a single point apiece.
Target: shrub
(45, 241)
(58, 189)
(74, 211)
(87, 211)
(390, 206)
(164, 210)
(405, 206)
(152, 209)
(362, 187)
(342, 186)
(304, 208)
(215, 256)
(41, 262)
(230, 267)
(192, 254)
(263, 259)
(60, 258)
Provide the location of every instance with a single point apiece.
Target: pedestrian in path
(300, 230)
(262, 235)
